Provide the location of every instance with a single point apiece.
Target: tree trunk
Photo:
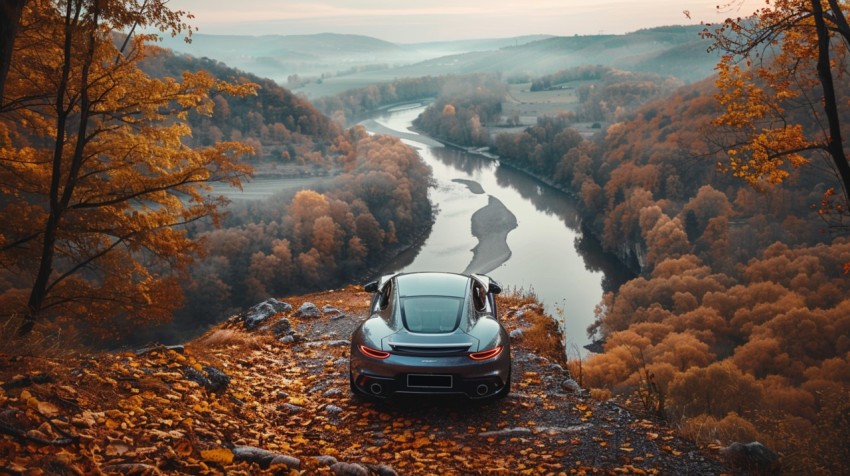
(835, 144)
(10, 15)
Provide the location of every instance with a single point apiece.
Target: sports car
(431, 333)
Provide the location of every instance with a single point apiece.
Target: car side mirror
(494, 287)
(371, 287)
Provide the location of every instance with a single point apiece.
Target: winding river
(546, 251)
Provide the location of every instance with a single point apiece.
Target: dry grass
(218, 338)
(541, 332)
(46, 340)
(600, 394)
(233, 341)
(707, 429)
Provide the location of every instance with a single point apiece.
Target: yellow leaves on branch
(764, 140)
(109, 143)
(760, 152)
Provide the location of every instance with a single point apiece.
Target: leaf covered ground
(275, 400)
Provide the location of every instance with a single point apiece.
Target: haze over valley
(327, 64)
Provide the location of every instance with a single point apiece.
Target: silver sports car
(431, 333)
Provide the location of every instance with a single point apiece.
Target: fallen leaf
(218, 455)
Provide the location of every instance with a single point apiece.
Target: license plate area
(429, 381)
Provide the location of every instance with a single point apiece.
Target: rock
(262, 311)
(506, 432)
(570, 385)
(281, 327)
(179, 348)
(308, 309)
(348, 469)
(328, 343)
(210, 377)
(383, 470)
(558, 368)
(333, 392)
(290, 462)
(328, 309)
(516, 334)
(218, 379)
(752, 456)
(333, 409)
(326, 460)
(288, 339)
(264, 458)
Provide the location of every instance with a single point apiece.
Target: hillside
(675, 51)
(278, 56)
(247, 401)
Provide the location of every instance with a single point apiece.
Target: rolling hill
(333, 63)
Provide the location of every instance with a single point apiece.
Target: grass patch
(46, 339)
(540, 332)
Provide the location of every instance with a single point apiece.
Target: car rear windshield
(432, 284)
(431, 314)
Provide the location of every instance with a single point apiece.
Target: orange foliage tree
(95, 181)
(792, 52)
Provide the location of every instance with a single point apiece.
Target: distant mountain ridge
(673, 50)
(309, 46)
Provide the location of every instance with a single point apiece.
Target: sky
(415, 21)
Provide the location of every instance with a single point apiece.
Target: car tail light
(374, 353)
(486, 354)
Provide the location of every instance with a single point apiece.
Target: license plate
(429, 381)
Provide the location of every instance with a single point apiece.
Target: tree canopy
(777, 83)
(95, 179)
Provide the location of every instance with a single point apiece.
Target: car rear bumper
(429, 375)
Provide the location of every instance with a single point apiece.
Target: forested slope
(373, 203)
(736, 326)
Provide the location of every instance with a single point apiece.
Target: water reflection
(461, 160)
(614, 274)
(545, 198)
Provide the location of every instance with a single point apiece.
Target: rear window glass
(431, 314)
(436, 284)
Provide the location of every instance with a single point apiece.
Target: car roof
(432, 284)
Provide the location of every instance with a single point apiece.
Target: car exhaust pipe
(376, 388)
(482, 390)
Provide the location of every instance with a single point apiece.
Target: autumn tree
(95, 181)
(777, 80)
